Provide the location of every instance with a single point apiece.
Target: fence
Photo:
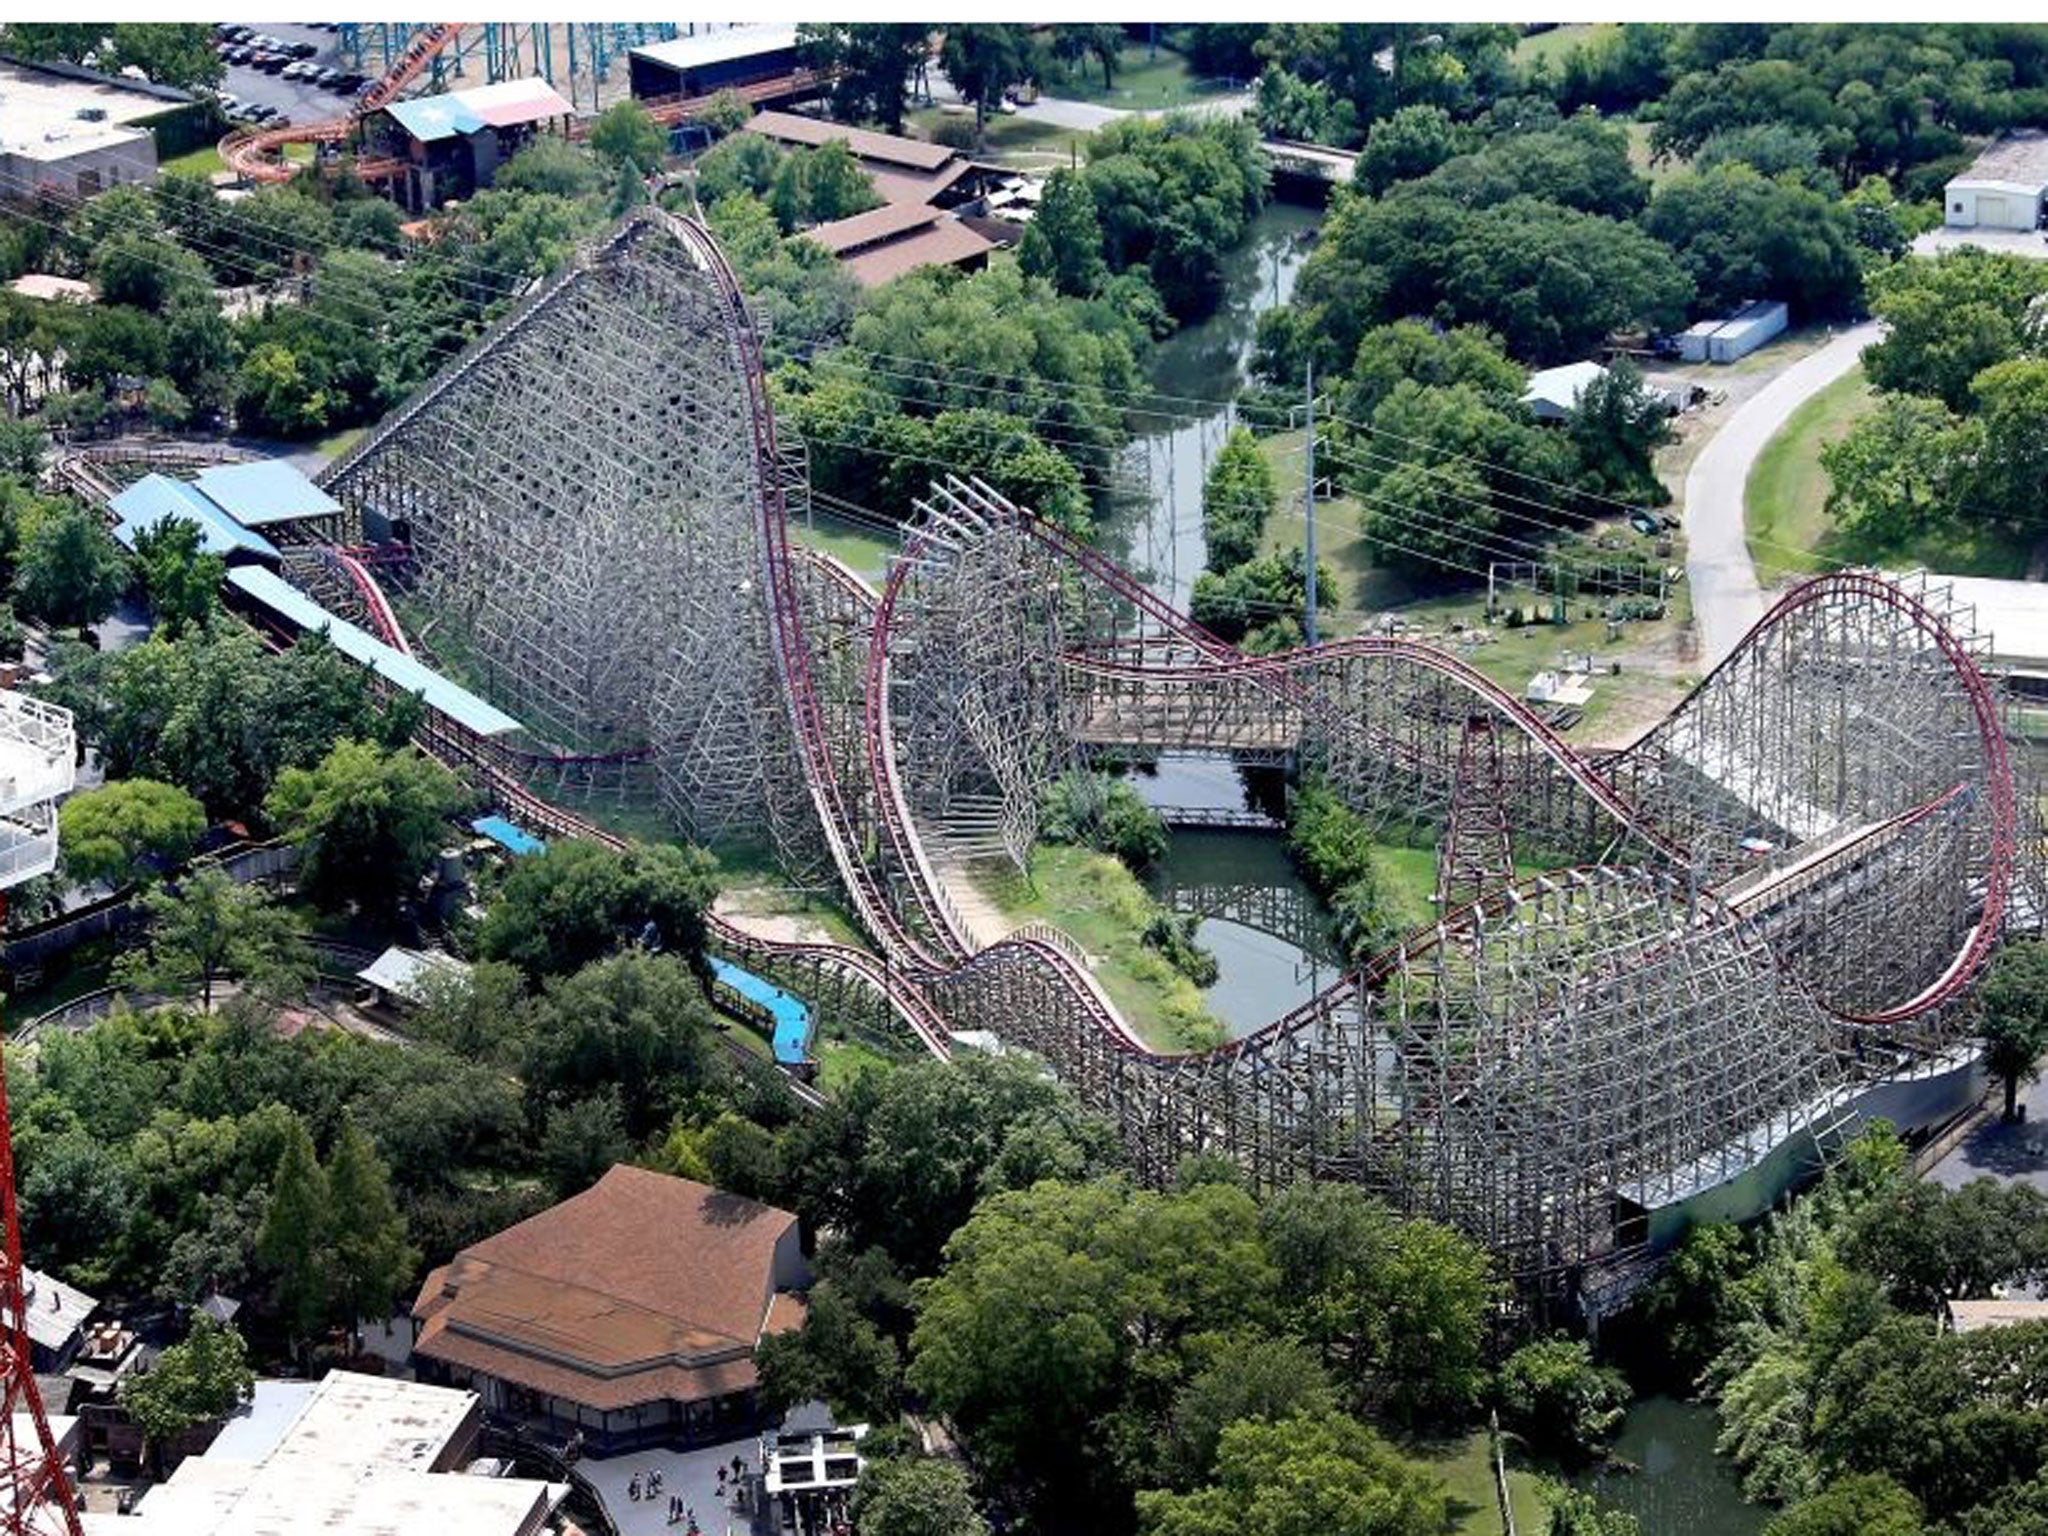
(35, 947)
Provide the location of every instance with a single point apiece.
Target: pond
(1159, 535)
(1682, 1487)
(1269, 932)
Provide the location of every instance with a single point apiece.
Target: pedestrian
(633, 1488)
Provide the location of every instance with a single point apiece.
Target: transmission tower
(37, 763)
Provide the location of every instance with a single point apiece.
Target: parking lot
(300, 100)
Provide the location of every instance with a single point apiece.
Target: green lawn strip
(1785, 505)
(203, 161)
(1101, 906)
(1466, 1466)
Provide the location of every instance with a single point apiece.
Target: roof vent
(93, 114)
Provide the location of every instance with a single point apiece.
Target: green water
(1681, 1488)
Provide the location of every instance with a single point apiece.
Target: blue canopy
(791, 1016)
(514, 839)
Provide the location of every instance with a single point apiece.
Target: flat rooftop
(351, 1455)
(2019, 160)
(721, 47)
(2013, 613)
(43, 110)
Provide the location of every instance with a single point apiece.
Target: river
(1682, 1487)
(1194, 371)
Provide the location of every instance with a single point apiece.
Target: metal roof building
(711, 61)
(271, 591)
(265, 491)
(2005, 188)
(156, 499)
(508, 104)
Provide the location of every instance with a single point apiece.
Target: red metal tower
(36, 1496)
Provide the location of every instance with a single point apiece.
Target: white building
(2006, 188)
(76, 133)
(348, 1456)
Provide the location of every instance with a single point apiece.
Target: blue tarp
(502, 832)
(791, 1016)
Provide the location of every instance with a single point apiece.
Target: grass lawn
(203, 161)
(841, 1061)
(1011, 139)
(335, 444)
(1146, 80)
(862, 550)
(1408, 876)
(1551, 47)
(1102, 907)
(1785, 504)
(1466, 1467)
(1639, 156)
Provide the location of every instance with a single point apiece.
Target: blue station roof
(791, 1016)
(514, 839)
(155, 499)
(265, 491)
(395, 667)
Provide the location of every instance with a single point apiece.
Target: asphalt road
(1726, 596)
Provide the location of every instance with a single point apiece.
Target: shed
(399, 976)
(2006, 187)
(1553, 392)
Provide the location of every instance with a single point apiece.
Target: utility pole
(1308, 498)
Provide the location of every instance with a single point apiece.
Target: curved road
(1726, 596)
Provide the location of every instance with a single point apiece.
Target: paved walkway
(2009, 1153)
(691, 1476)
(1726, 596)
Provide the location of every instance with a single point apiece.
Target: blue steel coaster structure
(1766, 919)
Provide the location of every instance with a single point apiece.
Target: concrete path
(1726, 596)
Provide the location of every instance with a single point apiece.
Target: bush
(1096, 810)
(1559, 1400)
(1173, 935)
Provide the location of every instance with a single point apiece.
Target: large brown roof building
(628, 1313)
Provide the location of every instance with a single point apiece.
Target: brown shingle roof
(877, 224)
(944, 244)
(642, 1287)
(888, 148)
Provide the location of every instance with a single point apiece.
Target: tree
(634, 1025)
(203, 1377)
(1238, 496)
(1245, 1376)
(1739, 234)
(371, 1260)
(370, 821)
(1617, 424)
(23, 445)
(1949, 319)
(1865, 1505)
(181, 580)
(869, 64)
(983, 60)
(1559, 1400)
(2013, 1009)
(207, 927)
(1573, 1513)
(548, 164)
(293, 1241)
(2011, 478)
(127, 829)
(1103, 40)
(1258, 592)
(915, 1496)
(837, 1356)
(578, 902)
(176, 53)
(1410, 144)
(1897, 473)
(1310, 1475)
(835, 185)
(1063, 242)
(625, 134)
(71, 573)
(1430, 356)
(582, 1140)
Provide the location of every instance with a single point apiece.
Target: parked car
(348, 81)
(327, 76)
(271, 63)
(302, 50)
